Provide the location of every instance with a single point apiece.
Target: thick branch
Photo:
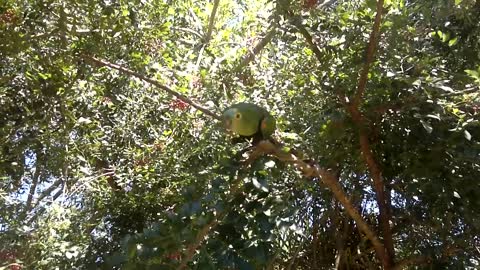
(165, 88)
(362, 82)
(327, 177)
(378, 184)
(410, 261)
(365, 147)
(211, 21)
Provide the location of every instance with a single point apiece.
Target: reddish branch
(387, 257)
(310, 169)
(365, 147)
(372, 44)
(165, 88)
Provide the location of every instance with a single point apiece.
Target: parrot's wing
(267, 126)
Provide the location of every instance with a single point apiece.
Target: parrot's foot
(238, 140)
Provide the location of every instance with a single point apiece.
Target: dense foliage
(100, 169)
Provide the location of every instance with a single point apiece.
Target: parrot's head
(242, 122)
(231, 118)
(248, 119)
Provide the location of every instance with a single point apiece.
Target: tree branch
(309, 170)
(309, 40)
(191, 248)
(463, 92)
(198, 241)
(387, 259)
(33, 187)
(258, 48)
(331, 181)
(414, 260)
(378, 183)
(43, 195)
(362, 82)
(165, 88)
(211, 21)
(365, 147)
(191, 31)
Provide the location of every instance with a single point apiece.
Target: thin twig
(191, 31)
(309, 40)
(463, 92)
(257, 49)
(151, 81)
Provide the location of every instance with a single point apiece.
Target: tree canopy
(112, 156)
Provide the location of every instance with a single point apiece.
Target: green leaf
(453, 41)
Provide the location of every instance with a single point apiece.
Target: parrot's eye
(238, 116)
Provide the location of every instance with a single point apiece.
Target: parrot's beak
(227, 123)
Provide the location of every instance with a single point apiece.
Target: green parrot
(250, 121)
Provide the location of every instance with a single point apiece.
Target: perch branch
(331, 181)
(265, 147)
